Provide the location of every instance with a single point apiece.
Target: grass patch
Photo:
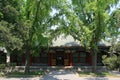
(97, 74)
(22, 74)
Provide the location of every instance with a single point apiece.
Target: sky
(115, 7)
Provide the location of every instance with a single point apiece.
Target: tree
(88, 22)
(9, 21)
(114, 38)
(114, 27)
(37, 19)
(94, 15)
(27, 23)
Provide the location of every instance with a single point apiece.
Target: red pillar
(71, 59)
(49, 59)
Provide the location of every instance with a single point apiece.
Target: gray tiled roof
(63, 40)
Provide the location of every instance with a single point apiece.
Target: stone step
(75, 68)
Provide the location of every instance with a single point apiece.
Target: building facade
(65, 51)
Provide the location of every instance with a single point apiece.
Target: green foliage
(7, 38)
(114, 23)
(12, 16)
(9, 10)
(10, 64)
(5, 68)
(111, 62)
(95, 19)
(115, 47)
(2, 66)
(9, 19)
(21, 74)
(94, 15)
(36, 18)
(97, 74)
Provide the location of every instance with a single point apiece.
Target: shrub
(10, 64)
(111, 61)
(2, 66)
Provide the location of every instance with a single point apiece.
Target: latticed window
(44, 58)
(79, 57)
(75, 57)
(82, 57)
(36, 59)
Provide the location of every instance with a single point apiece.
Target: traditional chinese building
(65, 51)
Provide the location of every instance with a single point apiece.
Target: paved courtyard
(62, 75)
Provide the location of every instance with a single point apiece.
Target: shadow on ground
(60, 75)
(97, 78)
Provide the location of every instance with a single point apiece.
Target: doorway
(60, 59)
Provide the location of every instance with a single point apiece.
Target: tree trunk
(94, 62)
(27, 63)
(119, 68)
